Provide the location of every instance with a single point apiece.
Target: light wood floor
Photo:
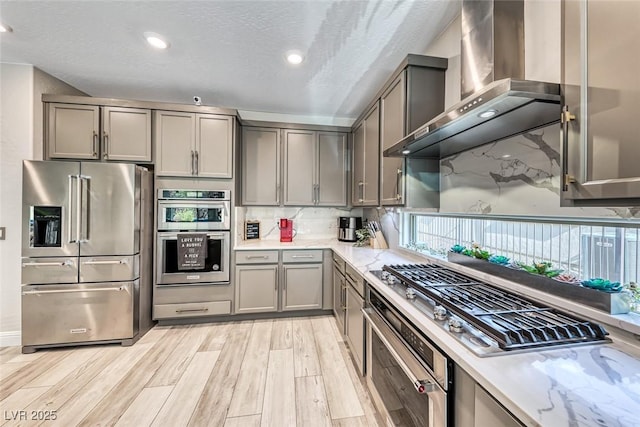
(284, 372)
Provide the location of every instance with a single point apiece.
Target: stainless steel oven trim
(437, 397)
(221, 276)
(225, 224)
(226, 195)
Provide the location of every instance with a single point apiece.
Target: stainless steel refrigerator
(86, 253)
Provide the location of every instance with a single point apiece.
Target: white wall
(16, 144)
(21, 89)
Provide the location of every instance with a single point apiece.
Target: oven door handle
(401, 354)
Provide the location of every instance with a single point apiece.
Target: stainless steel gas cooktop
(487, 319)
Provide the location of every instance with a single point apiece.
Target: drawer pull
(115, 262)
(73, 291)
(257, 257)
(192, 310)
(302, 256)
(48, 264)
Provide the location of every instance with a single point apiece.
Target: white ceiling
(230, 52)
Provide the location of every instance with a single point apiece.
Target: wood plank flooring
(284, 372)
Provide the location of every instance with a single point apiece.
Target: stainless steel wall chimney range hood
(497, 102)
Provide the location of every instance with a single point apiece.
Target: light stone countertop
(590, 385)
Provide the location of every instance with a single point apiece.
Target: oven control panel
(168, 194)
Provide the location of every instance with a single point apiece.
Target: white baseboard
(10, 338)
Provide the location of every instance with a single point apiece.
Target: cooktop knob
(440, 313)
(410, 294)
(456, 325)
(385, 275)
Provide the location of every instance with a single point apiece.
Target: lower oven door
(216, 265)
(403, 390)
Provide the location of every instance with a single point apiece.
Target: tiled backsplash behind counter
(309, 222)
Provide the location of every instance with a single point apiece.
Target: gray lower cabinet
(256, 288)
(193, 145)
(355, 326)
(366, 156)
(267, 281)
(601, 90)
(302, 287)
(75, 131)
(315, 168)
(260, 166)
(339, 296)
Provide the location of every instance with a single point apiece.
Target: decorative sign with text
(192, 251)
(251, 230)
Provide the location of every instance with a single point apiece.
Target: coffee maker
(347, 226)
(286, 230)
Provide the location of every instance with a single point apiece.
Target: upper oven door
(399, 382)
(216, 264)
(193, 215)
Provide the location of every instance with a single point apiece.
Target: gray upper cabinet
(366, 156)
(315, 168)
(260, 166)
(412, 98)
(393, 121)
(191, 144)
(94, 132)
(601, 90)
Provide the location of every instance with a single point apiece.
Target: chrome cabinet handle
(361, 189)
(256, 257)
(115, 262)
(192, 310)
(72, 291)
(105, 147)
(192, 160)
(95, 144)
(197, 163)
(48, 264)
(565, 118)
(302, 256)
(398, 177)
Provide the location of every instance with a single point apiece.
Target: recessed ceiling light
(5, 28)
(406, 151)
(506, 156)
(294, 57)
(488, 113)
(156, 40)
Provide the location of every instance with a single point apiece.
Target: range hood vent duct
(498, 103)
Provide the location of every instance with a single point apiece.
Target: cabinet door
(392, 129)
(338, 311)
(355, 326)
(214, 146)
(175, 143)
(371, 157)
(73, 131)
(299, 167)
(357, 182)
(602, 89)
(126, 134)
(332, 158)
(256, 288)
(260, 166)
(302, 287)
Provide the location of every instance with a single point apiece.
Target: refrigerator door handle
(83, 216)
(70, 291)
(70, 236)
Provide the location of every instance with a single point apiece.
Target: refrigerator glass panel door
(50, 209)
(58, 314)
(49, 270)
(110, 209)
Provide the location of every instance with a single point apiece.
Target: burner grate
(513, 321)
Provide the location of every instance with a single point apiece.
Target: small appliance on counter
(347, 226)
(286, 230)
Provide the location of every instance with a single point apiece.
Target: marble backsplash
(308, 222)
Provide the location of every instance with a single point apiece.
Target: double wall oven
(193, 215)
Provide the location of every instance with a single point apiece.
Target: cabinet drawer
(256, 257)
(49, 270)
(194, 309)
(111, 268)
(355, 279)
(338, 263)
(302, 256)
